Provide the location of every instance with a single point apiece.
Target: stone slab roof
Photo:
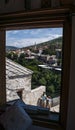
(14, 70)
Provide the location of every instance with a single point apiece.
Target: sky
(27, 37)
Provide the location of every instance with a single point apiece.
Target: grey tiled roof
(14, 70)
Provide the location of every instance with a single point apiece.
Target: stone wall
(28, 96)
(33, 96)
(55, 101)
(13, 85)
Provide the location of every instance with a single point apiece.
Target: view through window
(34, 66)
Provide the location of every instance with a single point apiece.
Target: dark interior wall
(64, 2)
(2, 67)
(11, 6)
(71, 105)
(20, 5)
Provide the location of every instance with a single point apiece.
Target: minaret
(35, 46)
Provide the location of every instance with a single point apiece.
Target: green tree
(42, 81)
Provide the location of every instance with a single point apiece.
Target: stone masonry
(18, 78)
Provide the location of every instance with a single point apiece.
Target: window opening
(34, 62)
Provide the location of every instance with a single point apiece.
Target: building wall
(16, 84)
(28, 96)
(33, 96)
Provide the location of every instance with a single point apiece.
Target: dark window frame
(59, 17)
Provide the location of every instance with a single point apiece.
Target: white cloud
(23, 42)
(22, 38)
(15, 32)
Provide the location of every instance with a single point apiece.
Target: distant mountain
(9, 48)
(56, 41)
(47, 43)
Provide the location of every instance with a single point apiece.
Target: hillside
(48, 43)
(54, 41)
(48, 47)
(10, 48)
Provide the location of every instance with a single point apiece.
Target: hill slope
(9, 48)
(48, 43)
